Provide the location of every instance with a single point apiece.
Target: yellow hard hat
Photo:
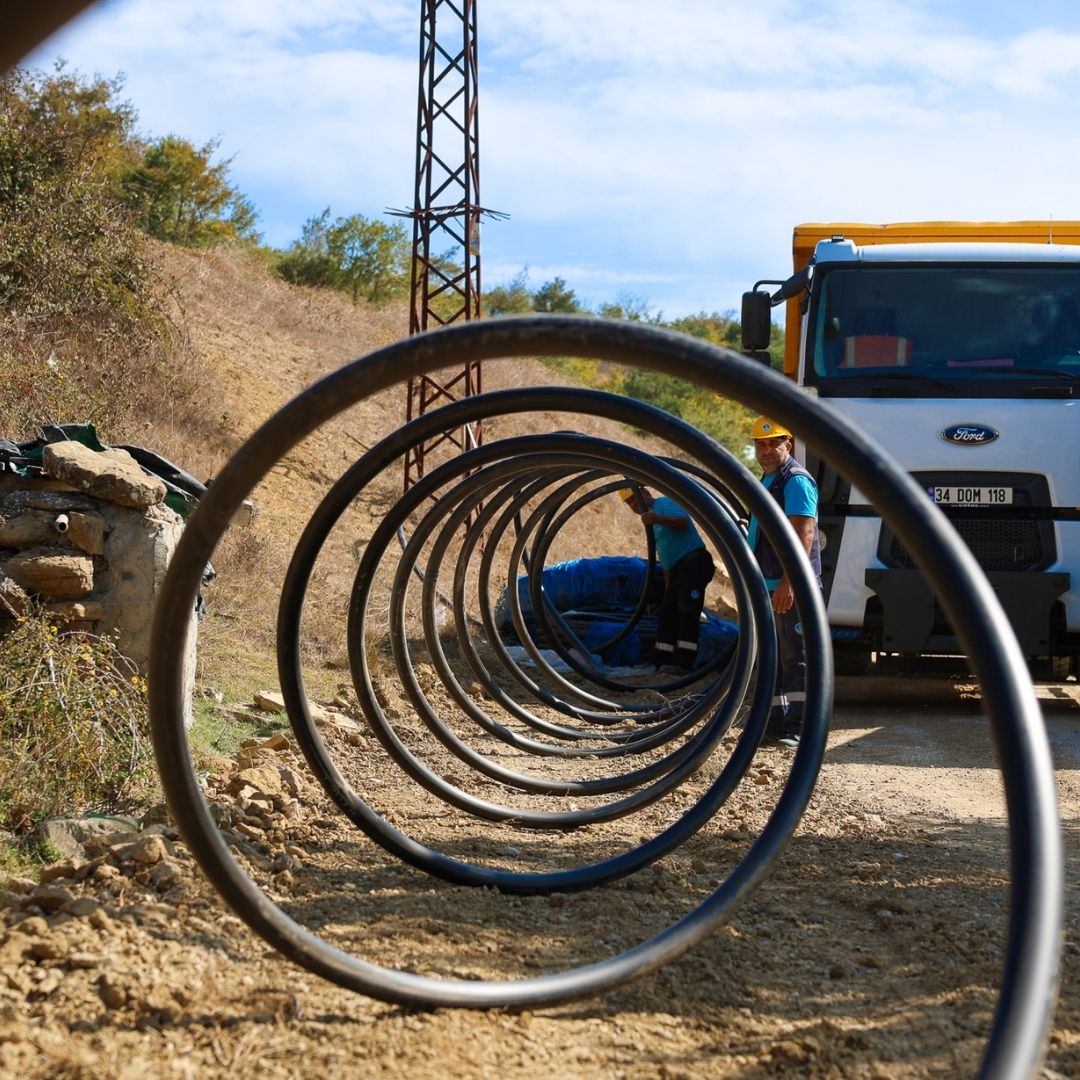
(765, 428)
(626, 494)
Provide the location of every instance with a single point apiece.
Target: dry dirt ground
(873, 950)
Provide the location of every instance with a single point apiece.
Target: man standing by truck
(796, 494)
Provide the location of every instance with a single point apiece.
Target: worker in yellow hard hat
(764, 428)
(795, 492)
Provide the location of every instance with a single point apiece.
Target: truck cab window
(954, 322)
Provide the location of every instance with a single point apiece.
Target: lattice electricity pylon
(445, 283)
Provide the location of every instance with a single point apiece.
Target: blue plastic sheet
(596, 597)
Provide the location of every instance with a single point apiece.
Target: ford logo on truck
(969, 434)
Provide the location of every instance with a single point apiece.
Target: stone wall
(91, 540)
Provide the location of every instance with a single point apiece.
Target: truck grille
(997, 539)
(997, 545)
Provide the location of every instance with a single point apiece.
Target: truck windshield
(968, 328)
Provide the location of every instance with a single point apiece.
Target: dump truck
(956, 346)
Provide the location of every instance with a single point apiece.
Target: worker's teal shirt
(800, 500)
(673, 544)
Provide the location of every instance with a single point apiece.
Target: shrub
(73, 724)
(83, 334)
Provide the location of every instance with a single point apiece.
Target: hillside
(257, 342)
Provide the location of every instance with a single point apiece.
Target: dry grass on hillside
(256, 343)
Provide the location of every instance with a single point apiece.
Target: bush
(73, 724)
(83, 334)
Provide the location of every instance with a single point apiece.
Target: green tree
(83, 122)
(372, 258)
(367, 259)
(308, 262)
(629, 308)
(513, 298)
(707, 327)
(556, 296)
(179, 196)
(75, 277)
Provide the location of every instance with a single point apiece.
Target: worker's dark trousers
(679, 618)
(789, 697)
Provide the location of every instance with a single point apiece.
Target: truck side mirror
(756, 320)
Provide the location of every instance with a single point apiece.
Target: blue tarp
(596, 596)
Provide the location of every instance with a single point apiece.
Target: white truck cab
(962, 359)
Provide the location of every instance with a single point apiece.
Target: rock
(245, 515)
(290, 778)
(13, 598)
(87, 532)
(81, 907)
(146, 851)
(343, 724)
(75, 837)
(100, 920)
(72, 869)
(84, 961)
(165, 875)
(137, 553)
(252, 756)
(269, 700)
(59, 577)
(788, 1052)
(77, 611)
(49, 897)
(156, 815)
(40, 495)
(112, 475)
(33, 926)
(265, 779)
(112, 994)
(31, 528)
(35, 528)
(46, 948)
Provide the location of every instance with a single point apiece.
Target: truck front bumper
(913, 622)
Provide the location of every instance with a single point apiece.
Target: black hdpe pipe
(515, 456)
(1028, 987)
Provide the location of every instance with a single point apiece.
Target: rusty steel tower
(446, 213)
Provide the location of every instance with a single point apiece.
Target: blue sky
(659, 152)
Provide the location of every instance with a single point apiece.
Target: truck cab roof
(841, 249)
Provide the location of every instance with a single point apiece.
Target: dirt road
(873, 951)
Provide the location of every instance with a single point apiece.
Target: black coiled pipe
(1029, 979)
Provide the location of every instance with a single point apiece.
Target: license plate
(971, 496)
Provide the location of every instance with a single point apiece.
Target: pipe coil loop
(543, 739)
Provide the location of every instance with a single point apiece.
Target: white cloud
(666, 147)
